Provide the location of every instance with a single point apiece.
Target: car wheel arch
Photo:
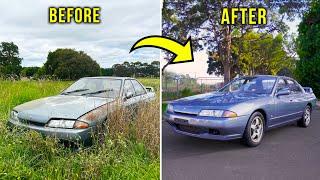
(263, 112)
(310, 105)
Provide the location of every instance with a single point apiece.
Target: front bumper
(207, 127)
(73, 135)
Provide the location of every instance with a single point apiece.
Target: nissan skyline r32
(244, 108)
(76, 113)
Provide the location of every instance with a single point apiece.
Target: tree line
(68, 64)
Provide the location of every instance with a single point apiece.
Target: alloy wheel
(307, 116)
(256, 129)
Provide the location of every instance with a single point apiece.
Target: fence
(177, 87)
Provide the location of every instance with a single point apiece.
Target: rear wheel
(254, 130)
(306, 117)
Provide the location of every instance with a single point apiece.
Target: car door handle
(291, 100)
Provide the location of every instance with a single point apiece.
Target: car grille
(196, 130)
(192, 129)
(24, 121)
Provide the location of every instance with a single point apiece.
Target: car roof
(108, 77)
(269, 76)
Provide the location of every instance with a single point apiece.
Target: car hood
(61, 106)
(218, 100)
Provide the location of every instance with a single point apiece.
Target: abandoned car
(76, 113)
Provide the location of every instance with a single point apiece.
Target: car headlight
(218, 113)
(170, 108)
(61, 123)
(14, 115)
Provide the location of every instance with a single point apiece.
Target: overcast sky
(123, 22)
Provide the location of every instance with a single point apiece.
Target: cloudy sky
(123, 22)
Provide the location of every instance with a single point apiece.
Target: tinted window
(128, 87)
(293, 86)
(138, 88)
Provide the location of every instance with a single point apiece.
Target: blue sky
(123, 22)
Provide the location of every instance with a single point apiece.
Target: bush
(186, 92)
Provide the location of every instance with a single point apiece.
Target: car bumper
(208, 127)
(73, 135)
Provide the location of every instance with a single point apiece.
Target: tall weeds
(140, 123)
(129, 151)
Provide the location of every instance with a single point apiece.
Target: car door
(141, 92)
(128, 89)
(297, 97)
(282, 104)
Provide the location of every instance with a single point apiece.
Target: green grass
(28, 155)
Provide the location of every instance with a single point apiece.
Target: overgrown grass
(28, 155)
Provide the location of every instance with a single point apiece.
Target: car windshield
(98, 87)
(257, 85)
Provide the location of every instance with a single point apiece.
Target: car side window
(128, 87)
(138, 88)
(281, 85)
(293, 86)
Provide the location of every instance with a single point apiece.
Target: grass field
(124, 155)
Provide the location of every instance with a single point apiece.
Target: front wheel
(254, 130)
(306, 117)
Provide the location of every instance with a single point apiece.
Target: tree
(137, 69)
(10, 62)
(255, 53)
(201, 20)
(70, 64)
(29, 71)
(41, 73)
(262, 54)
(106, 71)
(122, 70)
(308, 44)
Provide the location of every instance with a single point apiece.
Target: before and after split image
(160, 89)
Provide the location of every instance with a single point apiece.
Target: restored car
(76, 113)
(244, 108)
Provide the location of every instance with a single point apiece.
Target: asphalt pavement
(288, 152)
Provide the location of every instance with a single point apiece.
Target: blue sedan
(244, 108)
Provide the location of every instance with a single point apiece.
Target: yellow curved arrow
(183, 52)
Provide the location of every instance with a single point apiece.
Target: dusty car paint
(37, 114)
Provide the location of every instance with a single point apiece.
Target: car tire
(306, 117)
(254, 131)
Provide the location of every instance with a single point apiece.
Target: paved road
(288, 152)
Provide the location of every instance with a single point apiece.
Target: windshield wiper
(77, 90)
(97, 92)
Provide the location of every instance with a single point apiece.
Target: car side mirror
(283, 92)
(128, 95)
(149, 89)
